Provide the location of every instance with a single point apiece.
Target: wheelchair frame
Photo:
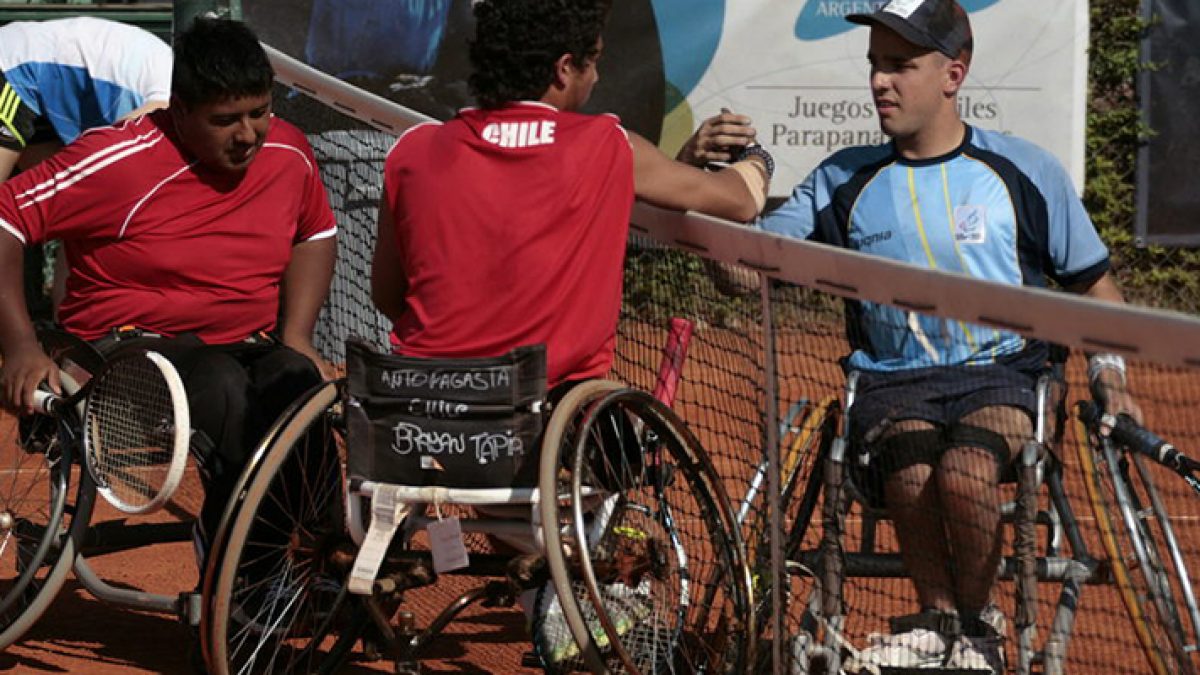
(395, 569)
(830, 564)
(210, 609)
(1129, 513)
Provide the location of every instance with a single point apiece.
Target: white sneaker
(992, 616)
(917, 648)
(983, 654)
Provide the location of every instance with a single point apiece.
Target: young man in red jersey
(507, 225)
(206, 224)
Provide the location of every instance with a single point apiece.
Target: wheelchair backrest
(463, 423)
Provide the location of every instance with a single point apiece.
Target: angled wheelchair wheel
(274, 594)
(1138, 565)
(801, 480)
(45, 505)
(649, 556)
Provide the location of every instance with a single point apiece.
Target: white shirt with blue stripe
(84, 72)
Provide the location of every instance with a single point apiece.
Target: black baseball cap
(941, 25)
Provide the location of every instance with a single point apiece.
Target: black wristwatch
(759, 151)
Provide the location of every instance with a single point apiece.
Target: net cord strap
(1168, 338)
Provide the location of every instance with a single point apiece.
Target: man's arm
(145, 109)
(8, 162)
(1106, 372)
(389, 284)
(24, 364)
(737, 193)
(305, 286)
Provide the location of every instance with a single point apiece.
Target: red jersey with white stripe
(511, 228)
(155, 240)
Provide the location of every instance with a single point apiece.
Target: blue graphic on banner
(370, 38)
(822, 19)
(689, 31)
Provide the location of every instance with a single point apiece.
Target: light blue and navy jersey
(996, 208)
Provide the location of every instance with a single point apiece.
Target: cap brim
(895, 23)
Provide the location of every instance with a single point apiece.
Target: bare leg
(913, 504)
(968, 480)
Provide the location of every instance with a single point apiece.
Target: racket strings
(131, 425)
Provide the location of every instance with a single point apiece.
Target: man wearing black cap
(943, 406)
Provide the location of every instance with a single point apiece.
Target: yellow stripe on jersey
(916, 207)
(10, 103)
(6, 98)
(962, 263)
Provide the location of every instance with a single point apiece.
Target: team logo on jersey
(970, 224)
(520, 134)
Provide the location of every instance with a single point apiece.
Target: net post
(775, 520)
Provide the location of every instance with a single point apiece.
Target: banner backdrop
(797, 67)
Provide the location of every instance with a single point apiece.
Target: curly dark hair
(217, 60)
(517, 43)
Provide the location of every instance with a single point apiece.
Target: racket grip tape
(46, 401)
(1129, 433)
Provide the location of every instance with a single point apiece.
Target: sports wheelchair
(46, 507)
(837, 481)
(630, 557)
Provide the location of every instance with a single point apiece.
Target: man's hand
(1110, 389)
(24, 368)
(718, 139)
(305, 347)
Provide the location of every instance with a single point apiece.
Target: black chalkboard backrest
(466, 423)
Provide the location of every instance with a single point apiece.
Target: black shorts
(942, 396)
(20, 126)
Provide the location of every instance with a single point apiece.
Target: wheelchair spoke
(277, 595)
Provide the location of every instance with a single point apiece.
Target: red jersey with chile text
(156, 241)
(511, 227)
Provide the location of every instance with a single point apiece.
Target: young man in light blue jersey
(947, 404)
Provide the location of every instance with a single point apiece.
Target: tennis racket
(1128, 433)
(136, 429)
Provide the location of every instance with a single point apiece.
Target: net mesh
(763, 374)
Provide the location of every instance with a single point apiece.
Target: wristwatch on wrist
(756, 150)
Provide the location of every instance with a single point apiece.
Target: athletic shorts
(940, 396)
(19, 124)
(943, 396)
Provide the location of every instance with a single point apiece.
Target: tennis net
(763, 387)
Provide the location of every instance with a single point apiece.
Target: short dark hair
(517, 43)
(217, 60)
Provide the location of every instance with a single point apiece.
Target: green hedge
(1156, 276)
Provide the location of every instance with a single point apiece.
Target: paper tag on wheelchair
(446, 540)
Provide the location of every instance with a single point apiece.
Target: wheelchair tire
(1137, 564)
(275, 598)
(652, 554)
(40, 527)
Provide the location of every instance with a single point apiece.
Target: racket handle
(46, 401)
(1129, 433)
(671, 367)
